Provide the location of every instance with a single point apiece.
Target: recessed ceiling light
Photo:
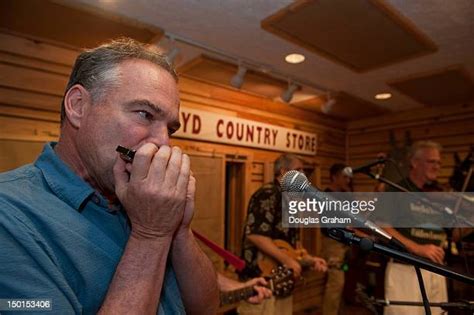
(294, 58)
(383, 96)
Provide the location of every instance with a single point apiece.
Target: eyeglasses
(434, 162)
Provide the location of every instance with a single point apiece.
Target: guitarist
(263, 225)
(419, 238)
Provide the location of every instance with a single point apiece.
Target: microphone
(348, 171)
(296, 182)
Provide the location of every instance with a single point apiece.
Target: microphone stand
(447, 306)
(369, 302)
(347, 237)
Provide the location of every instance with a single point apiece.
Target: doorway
(234, 204)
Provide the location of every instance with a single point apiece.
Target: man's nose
(159, 136)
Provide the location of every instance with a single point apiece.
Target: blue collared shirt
(60, 241)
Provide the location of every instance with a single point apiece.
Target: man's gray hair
(284, 161)
(420, 145)
(96, 69)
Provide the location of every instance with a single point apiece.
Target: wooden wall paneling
(439, 129)
(27, 99)
(256, 177)
(36, 64)
(451, 126)
(35, 49)
(411, 117)
(32, 80)
(17, 153)
(27, 129)
(268, 172)
(34, 114)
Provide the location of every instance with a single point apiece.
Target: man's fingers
(261, 294)
(439, 255)
(142, 161)
(120, 174)
(265, 293)
(268, 293)
(435, 255)
(173, 169)
(184, 174)
(435, 258)
(260, 281)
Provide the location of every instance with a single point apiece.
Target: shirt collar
(66, 184)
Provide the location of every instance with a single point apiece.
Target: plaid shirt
(263, 218)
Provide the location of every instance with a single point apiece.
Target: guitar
(280, 282)
(267, 263)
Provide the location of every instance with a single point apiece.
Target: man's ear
(76, 103)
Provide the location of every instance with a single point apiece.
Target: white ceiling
(233, 26)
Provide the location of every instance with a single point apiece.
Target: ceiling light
(294, 58)
(287, 95)
(383, 96)
(238, 79)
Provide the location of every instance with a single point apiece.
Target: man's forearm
(227, 284)
(409, 244)
(196, 275)
(138, 279)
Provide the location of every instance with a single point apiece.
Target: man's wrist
(183, 233)
(141, 234)
(183, 240)
(286, 260)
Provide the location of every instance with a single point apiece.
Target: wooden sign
(213, 127)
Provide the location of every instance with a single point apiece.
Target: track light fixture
(173, 51)
(287, 95)
(238, 79)
(330, 102)
(172, 54)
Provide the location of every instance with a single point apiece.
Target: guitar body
(267, 263)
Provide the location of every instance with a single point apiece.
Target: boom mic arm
(349, 171)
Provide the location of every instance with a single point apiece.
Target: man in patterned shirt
(263, 225)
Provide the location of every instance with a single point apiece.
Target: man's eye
(145, 114)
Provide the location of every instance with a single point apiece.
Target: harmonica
(125, 153)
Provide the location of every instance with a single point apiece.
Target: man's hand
(262, 292)
(319, 264)
(293, 264)
(189, 207)
(430, 251)
(154, 194)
